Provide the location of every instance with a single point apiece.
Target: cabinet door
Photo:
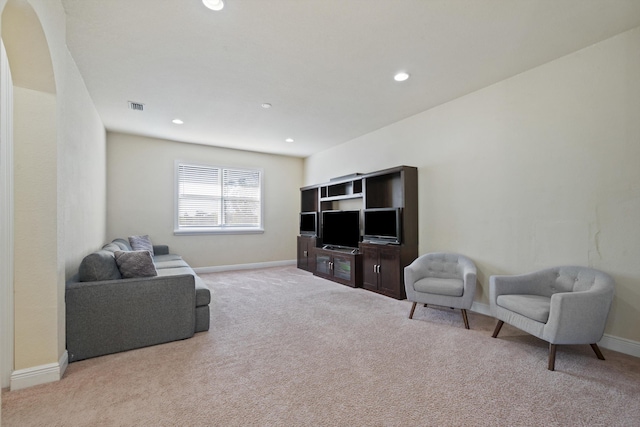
(369, 267)
(311, 256)
(389, 280)
(303, 253)
(306, 245)
(342, 268)
(323, 264)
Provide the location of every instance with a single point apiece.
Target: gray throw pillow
(100, 265)
(141, 243)
(135, 264)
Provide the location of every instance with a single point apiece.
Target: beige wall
(60, 194)
(538, 170)
(2, 4)
(141, 185)
(35, 228)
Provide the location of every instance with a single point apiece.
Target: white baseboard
(244, 266)
(481, 308)
(42, 374)
(622, 345)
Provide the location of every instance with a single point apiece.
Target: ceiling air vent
(136, 106)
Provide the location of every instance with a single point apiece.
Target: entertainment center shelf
(340, 189)
(346, 209)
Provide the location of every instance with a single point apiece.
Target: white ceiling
(326, 66)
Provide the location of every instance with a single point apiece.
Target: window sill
(226, 230)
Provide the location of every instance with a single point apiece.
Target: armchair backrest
(444, 265)
(578, 279)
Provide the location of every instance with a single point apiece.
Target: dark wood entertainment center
(375, 266)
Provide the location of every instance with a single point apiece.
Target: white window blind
(214, 199)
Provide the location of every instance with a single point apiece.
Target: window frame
(222, 229)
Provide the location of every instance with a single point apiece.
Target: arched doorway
(30, 79)
(6, 218)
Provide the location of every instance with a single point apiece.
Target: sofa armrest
(110, 316)
(160, 249)
(577, 317)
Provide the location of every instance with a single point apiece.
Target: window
(215, 199)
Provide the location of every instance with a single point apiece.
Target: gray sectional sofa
(106, 313)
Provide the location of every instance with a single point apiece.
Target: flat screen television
(382, 225)
(309, 224)
(341, 229)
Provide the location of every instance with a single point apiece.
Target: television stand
(339, 265)
(339, 249)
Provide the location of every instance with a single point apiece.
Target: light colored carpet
(286, 348)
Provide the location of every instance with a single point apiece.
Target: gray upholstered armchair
(561, 305)
(443, 279)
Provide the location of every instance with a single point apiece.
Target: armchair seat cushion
(439, 286)
(534, 307)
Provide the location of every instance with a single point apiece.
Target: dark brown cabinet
(339, 266)
(306, 244)
(382, 269)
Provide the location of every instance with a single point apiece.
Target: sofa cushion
(203, 294)
(176, 271)
(160, 250)
(135, 264)
(100, 265)
(166, 257)
(141, 243)
(175, 263)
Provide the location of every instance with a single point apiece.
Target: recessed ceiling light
(401, 76)
(266, 105)
(289, 140)
(177, 121)
(213, 4)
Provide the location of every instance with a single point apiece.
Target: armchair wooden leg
(596, 349)
(497, 329)
(413, 308)
(552, 357)
(464, 317)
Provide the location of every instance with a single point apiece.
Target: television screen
(382, 225)
(341, 228)
(308, 223)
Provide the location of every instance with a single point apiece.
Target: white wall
(83, 172)
(141, 185)
(538, 170)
